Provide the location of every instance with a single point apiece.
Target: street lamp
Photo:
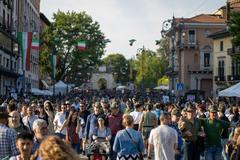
(168, 29)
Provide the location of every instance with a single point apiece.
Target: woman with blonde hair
(54, 148)
(128, 143)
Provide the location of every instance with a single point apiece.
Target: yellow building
(226, 67)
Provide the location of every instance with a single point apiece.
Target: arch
(102, 83)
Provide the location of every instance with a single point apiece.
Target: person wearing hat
(8, 136)
(92, 121)
(213, 128)
(175, 117)
(190, 128)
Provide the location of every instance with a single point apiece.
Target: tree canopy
(61, 38)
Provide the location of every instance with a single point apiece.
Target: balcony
(231, 78)
(8, 72)
(220, 78)
(233, 51)
(200, 69)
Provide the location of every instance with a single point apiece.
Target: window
(206, 59)
(221, 65)
(221, 45)
(191, 36)
(236, 67)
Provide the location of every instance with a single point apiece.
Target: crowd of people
(134, 128)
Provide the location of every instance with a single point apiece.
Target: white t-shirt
(136, 116)
(28, 121)
(58, 122)
(163, 139)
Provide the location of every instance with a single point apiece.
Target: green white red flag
(25, 43)
(35, 44)
(81, 45)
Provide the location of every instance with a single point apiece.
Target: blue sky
(121, 20)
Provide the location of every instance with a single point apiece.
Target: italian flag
(53, 63)
(35, 44)
(25, 40)
(81, 45)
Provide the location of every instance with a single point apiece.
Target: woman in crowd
(101, 132)
(55, 148)
(128, 142)
(72, 123)
(41, 113)
(14, 121)
(48, 107)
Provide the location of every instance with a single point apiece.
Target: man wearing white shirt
(59, 120)
(163, 139)
(30, 118)
(137, 114)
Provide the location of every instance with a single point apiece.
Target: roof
(45, 19)
(220, 34)
(202, 18)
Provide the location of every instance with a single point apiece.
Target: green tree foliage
(119, 66)
(235, 27)
(150, 68)
(61, 38)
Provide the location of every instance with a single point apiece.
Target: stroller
(97, 150)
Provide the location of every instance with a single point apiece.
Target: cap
(212, 108)
(176, 112)
(97, 104)
(190, 108)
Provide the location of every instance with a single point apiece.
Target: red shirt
(115, 123)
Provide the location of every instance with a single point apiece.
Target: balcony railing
(220, 78)
(201, 68)
(233, 77)
(233, 51)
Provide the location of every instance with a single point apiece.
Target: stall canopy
(162, 87)
(233, 91)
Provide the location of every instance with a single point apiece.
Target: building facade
(226, 56)
(191, 56)
(28, 20)
(9, 55)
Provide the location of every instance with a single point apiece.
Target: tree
(119, 66)
(61, 39)
(235, 28)
(150, 68)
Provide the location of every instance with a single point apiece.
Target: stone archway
(102, 84)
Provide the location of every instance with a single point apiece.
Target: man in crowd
(24, 145)
(163, 139)
(59, 120)
(7, 137)
(213, 128)
(115, 124)
(40, 129)
(30, 118)
(190, 128)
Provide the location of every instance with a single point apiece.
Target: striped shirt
(7, 142)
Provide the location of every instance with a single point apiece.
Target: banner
(25, 40)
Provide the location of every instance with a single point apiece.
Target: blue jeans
(213, 153)
(191, 151)
(76, 147)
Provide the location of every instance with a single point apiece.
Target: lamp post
(169, 29)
